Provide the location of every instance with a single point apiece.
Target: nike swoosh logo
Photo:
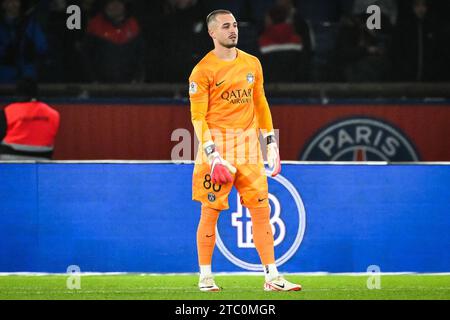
(279, 285)
(219, 83)
(261, 200)
(209, 236)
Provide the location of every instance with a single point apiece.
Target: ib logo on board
(234, 236)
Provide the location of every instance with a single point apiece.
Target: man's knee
(209, 214)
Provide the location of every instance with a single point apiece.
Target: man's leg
(251, 183)
(263, 240)
(206, 236)
(264, 243)
(206, 240)
(214, 198)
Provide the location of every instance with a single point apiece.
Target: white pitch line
(306, 274)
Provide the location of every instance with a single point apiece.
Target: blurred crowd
(135, 41)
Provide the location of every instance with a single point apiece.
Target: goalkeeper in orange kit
(229, 110)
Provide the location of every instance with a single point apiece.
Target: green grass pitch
(234, 287)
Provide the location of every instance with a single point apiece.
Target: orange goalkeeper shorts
(250, 181)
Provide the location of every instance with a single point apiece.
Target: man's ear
(211, 33)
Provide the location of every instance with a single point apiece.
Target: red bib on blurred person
(31, 127)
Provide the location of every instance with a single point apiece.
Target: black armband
(270, 139)
(210, 149)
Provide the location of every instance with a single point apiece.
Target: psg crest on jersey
(250, 78)
(359, 139)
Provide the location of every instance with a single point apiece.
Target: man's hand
(273, 155)
(221, 169)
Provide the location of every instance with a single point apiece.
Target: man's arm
(264, 116)
(198, 117)
(261, 105)
(199, 96)
(265, 123)
(3, 125)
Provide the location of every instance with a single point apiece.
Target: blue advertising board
(139, 217)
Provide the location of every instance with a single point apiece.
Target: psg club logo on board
(359, 139)
(234, 236)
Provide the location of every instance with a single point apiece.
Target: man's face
(183, 4)
(225, 30)
(11, 7)
(420, 9)
(115, 10)
(87, 4)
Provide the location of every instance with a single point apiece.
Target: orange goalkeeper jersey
(228, 95)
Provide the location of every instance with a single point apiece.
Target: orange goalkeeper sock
(206, 235)
(262, 234)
